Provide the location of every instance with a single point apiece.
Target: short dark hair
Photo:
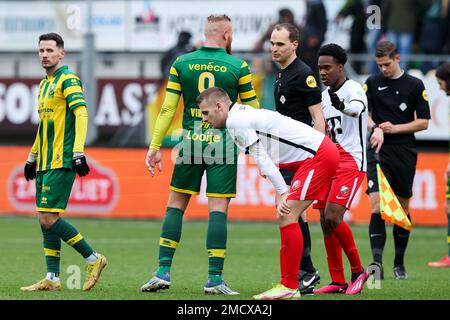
(213, 91)
(386, 48)
(293, 30)
(334, 50)
(443, 73)
(52, 36)
(285, 13)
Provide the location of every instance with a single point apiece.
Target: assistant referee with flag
(398, 107)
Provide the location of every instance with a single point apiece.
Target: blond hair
(218, 18)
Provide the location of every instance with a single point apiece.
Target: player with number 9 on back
(210, 65)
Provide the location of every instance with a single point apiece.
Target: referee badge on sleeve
(365, 87)
(425, 95)
(311, 81)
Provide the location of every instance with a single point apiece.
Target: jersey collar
(57, 71)
(204, 48)
(290, 65)
(342, 84)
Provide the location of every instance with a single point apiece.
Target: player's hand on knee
(153, 158)
(79, 164)
(29, 171)
(283, 207)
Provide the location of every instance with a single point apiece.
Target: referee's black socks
(306, 262)
(377, 234)
(401, 237)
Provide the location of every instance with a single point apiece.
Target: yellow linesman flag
(390, 207)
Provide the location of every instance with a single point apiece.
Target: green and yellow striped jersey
(59, 95)
(208, 67)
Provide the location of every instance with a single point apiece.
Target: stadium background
(130, 37)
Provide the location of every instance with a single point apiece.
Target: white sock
(92, 258)
(52, 276)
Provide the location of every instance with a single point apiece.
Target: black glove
(79, 165)
(29, 171)
(335, 101)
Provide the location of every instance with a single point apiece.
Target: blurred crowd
(415, 26)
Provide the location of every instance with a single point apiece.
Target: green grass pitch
(251, 266)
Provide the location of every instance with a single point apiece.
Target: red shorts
(344, 184)
(312, 179)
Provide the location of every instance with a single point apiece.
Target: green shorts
(53, 189)
(220, 178)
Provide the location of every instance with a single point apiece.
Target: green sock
(216, 244)
(448, 233)
(71, 236)
(52, 250)
(170, 236)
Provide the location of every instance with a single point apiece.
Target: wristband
(375, 126)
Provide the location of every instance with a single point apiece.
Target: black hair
(334, 50)
(52, 36)
(285, 13)
(443, 73)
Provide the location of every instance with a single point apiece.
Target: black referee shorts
(398, 162)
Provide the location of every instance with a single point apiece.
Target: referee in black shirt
(398, 107)
(297, 96)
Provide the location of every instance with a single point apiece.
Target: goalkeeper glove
(29, 171)
(335, 101)
(79, 164)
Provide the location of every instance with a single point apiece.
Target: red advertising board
(120, 186)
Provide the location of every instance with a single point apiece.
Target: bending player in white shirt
(271, 138)
(345, 109)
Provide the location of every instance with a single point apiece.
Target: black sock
(401, 237)
(306, 262)
(355, 276)
(377, 234)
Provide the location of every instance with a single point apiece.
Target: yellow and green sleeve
(247, 93)
(35, 147)
(81, 126)
(164, 119)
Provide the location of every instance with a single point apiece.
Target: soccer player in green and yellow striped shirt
(202, 149)
(58, 155)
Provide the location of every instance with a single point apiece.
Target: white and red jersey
(286, 141)
(348, 128)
